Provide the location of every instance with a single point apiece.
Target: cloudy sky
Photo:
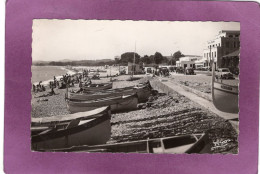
(96, 39)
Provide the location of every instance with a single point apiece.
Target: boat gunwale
(139, 142)
(69, 131)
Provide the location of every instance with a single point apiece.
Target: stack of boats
(120, 99)
(88, 128)
(89, 121)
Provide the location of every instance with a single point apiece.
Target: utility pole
(133, 67)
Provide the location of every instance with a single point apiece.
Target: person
(80, 85)
(43, 88)
(52, 90)
(58, 84)
(34, 88)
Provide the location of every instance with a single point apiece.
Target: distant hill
(66, 62)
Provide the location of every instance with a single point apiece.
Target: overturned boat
(143, 92)
(84, 129)
(224, 96)
(117, 104)
(194, 143)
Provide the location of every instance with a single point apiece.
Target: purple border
(17, 155)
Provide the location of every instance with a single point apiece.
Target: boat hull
(225, 97)
(63, 119)
(90, 132)
(98, 88)
(197, 143)
(143, 93)
(117, 104)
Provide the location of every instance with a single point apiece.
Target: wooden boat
(75, 132)
(143, 92)
(97, 87)
(194, 143)
(64, 119)
(225, 97)
(117, 104)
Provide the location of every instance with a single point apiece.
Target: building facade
(226, 42)
(188, 61)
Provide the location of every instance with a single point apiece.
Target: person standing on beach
(33, 88)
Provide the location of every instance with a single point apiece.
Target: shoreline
(46, 82)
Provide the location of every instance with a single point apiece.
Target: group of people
(67, 80)
(38, 87)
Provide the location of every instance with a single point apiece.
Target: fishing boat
(117, 104)
(64, 119)
(194, 143)
(142, 91)
(76, 132)
(224, 96)
(97, 87)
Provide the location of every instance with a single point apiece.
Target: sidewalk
(167, 86)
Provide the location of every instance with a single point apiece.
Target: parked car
(224, 73)
(179, 70)
(163, 71)
(189, 71)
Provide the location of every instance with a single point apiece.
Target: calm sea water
(44, 73)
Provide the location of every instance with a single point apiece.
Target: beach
(167, 116)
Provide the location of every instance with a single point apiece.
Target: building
(226, 42)
(200, 63)
(134, 68)
(231, 61)
(188, 61)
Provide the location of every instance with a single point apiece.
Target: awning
(233, 54)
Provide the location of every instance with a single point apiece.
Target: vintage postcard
(135, 86)
(131, 87)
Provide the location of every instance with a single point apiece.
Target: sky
(55, 40)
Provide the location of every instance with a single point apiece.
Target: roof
(233, 54)
(230, 31)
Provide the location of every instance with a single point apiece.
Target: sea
(46, 73)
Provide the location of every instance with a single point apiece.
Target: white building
(226, 42)
(188, 61)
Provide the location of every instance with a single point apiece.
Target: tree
(177, 55)
(146, 59)
(158, 58)
(117, 60)
(129, 57)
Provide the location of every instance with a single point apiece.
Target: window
(215, 54)
(234, 44)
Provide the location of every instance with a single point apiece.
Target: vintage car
(224, 73)
(179, 70)
(189, 71)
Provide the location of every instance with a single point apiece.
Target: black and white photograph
(111, 86)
